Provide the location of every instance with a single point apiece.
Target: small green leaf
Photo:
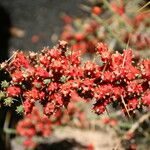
(63, 79)
(4, 84)
(8, 101)
(46, 81)
(20, 109)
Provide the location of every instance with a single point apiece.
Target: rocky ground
(69, 138)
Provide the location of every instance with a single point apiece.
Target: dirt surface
(101, 140)
(68, 138)
(40, 19)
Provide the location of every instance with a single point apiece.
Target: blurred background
(33, 25)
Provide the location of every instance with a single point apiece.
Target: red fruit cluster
(121, 80)
(33, 125)
(52, 76)
(48, 78)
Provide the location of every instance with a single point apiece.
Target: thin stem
(137, 124)
(107, 112)
(14, 54)
(148, 3)
(128, 42)
(122, 99)
(146, 11)
(104, 67)
(124, 59)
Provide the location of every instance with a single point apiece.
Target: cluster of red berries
(33, 125)
(51, 77)
(122, 80)
(47, 78)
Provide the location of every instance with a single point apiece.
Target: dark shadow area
(5, 24)
(66, 144)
